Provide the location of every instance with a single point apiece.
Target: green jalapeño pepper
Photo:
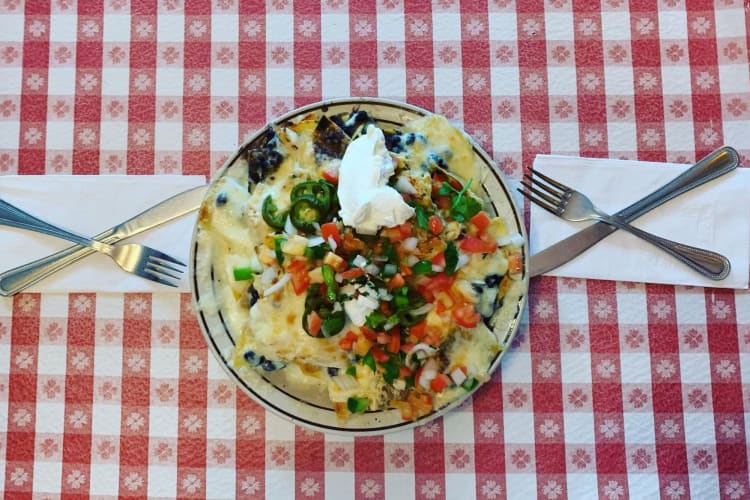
(320, 191)
(271, 214)
(305, 213)
(333, 320)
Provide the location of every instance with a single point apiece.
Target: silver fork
(138, 259)
(572, 205)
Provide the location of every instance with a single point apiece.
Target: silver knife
(21, 277)
(715, 164)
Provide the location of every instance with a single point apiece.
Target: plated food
(353, 271)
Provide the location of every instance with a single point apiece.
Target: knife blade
(715, 164)
(19, 278)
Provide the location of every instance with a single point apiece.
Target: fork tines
(549, 193)
(159, 266)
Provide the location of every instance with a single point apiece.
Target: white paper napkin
(715, 216)
(89, 205)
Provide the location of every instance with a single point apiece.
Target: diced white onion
(411, 260)
(345, 382)
(437, 269)
(372, 269)
(410, 244)
(289, 227)
(384, 295)
(404, 186)
(463, 259)
(278, 285)
(418, 350)
(332, 243)
(422, 309)
(314, 241)
(380, 258)
(359, 261)
(458, 376)
(268, 275)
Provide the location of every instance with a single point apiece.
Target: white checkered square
(679, 136)
(405, 436)
(169, 81)
(516, 368)
(395, 484)
(503, 26)
(162, 481)
(109, 305)
(51, 359)
(735, 133)
(214, 370)
(115, 81)
(615, 25)
(448, 82)
(171, 28)
(9, 131)
(506, 136)
(278, 429)
(703, 485)
(224, 28)
(558, 26)
(116, 28)
(12, 27)
(391, 82)
(105, 419)
(165, 307)
(48, 477)
(648, 482)
(618, 80)
(279, 28)
(224, 82)
(727, 25)
(62, 81)
(104, 479)
(165, 363)
(561, 80)
(335, 82)
(699, 428)
(224, 136)
(676, 80)
(673, 25)
(622, 136)
(220, 423)
(507, 79)
(50, 418)
(446, 26)
(639, 428)
(635, 368)
(59, 136)
(456, 425)
(166, 135)
(108, 360)
(280, 82)
(390, 28)
(162, 421)
(459, 486)
(3, 404)
(114, 135)
(575, 368)
(631, 308)
(690, 306)
(334, 28)
(520, 485)
(220, 482)
(734, 78)
(518, 427)
(282, 481)
(563, 137)
(695, 368)
(64, 28)
(53, 306)
(579, 428)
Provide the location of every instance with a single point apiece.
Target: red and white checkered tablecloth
(612, 390)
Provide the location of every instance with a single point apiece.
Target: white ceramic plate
(311, 408)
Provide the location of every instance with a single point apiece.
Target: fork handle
(11, 215)
(708, 263)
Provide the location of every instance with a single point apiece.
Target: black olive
(332, 371)
(252, 296)
(270, 365)
(252, 358)
(492, 280)
(221, 199)
(410, 138)
(438, 160)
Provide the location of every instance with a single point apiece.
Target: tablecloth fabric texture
(612, 389)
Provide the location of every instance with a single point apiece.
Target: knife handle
(20, 278)
(708, 168)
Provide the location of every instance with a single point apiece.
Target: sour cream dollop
(367, 202)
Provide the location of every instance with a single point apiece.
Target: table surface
(611, 389)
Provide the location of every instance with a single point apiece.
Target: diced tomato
(405, 229)
(435, 224)
(440, 281)
(379, 355)
(354, 272)
(439, 259)
(466, 316)
(418, 330)
(383, 338)
(396, 281)
(404, 371)
(477, 245)
(300, 282)
(439, 383)
(385, 308)
(331, 174)
(348, 342)
(394, 344)
(331, 230)
(297, 264)
(481, 220)
(314, 322)
(443, 202)
(369, 334)
(515, 263)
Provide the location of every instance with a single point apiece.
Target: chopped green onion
(351, 370)
(422, 267)
(329, 278)
(451, 258)
(368, 360)
(422, 220)
(357, 405)
(470, 383)
(243, 273)
(277, 249)
(400, 301)
(375, 320)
